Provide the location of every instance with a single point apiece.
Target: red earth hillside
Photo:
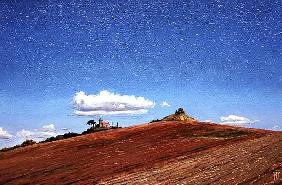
(166, 152)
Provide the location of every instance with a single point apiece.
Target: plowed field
(158, 153)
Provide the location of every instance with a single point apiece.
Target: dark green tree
(179, 111)
(92, 123)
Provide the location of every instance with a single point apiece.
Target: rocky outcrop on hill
(179, 115)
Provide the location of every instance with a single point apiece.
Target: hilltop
(179, 115)
(167, 152)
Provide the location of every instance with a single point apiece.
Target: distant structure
(103, 124)
(179, 115)
(100, 124)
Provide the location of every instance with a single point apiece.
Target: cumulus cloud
(108, 103)
(44, 132)
(164, 104)
(234, 120)
(48, 128)
(24, 133)
(4, 134)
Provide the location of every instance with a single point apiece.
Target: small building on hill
(103, 124)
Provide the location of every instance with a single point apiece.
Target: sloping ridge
(167, 152)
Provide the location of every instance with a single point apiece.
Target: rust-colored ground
(158, 153)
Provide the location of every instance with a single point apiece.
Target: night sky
(214, 58)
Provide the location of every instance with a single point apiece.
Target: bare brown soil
(157, 153)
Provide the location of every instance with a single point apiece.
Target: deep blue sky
(214, 58)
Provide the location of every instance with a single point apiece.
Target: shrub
(155, 120)
(27, 143)
(24, 144)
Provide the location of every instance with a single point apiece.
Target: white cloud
(48, 128)
(44, 132)
(4, 134)
(24, 133)
(164, 104)
(234, 120)
(277, 128)
(108, 103)
(207, 121)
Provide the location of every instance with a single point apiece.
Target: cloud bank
(108, 103)
(234, 120)
(4, 134)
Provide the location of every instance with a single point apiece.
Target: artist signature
(276, 176)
